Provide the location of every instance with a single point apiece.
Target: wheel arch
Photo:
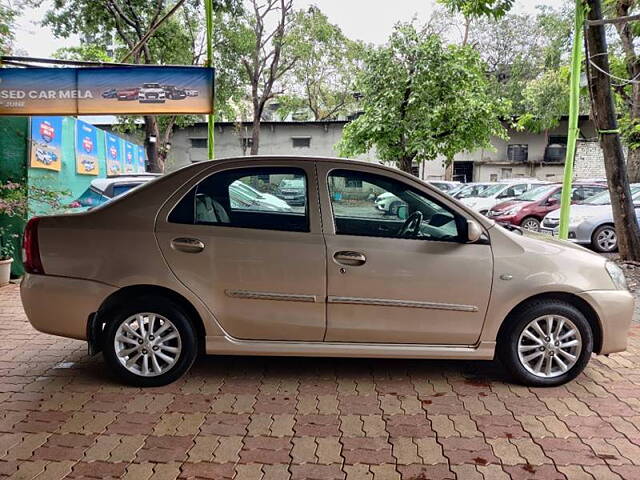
(574, 300)
(98, 320)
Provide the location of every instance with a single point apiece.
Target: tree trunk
(633, 165)
(255, 135)
(603, 108)
(405, 164)
(156, 165)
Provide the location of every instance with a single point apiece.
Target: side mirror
(474, 231)
(552, 201)
(402, 212)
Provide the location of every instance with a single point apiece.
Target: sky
(369, 20)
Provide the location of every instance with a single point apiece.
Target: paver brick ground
(62, 415)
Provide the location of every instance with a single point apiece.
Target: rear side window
(270, 198)
(123, 188)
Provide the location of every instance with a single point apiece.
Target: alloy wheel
(147, 344)
(549, 346)
(607, 239)
(531, 224)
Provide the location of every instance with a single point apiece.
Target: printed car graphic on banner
(87, 160)
(46, 143)
(113, 154)
(116, 90)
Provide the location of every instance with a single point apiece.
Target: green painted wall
(67, 182)
(14, 133)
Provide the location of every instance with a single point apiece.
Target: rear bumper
(61, 305)
(615, 311)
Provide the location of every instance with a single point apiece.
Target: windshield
(492, 190)
(470, 190)
(90, 198)
(123, 188)
(537, 193)
(151, 85)
(293, 183)
(243, 187)
(603, 197)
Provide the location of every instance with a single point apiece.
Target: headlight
(617, 275)
(512, 211)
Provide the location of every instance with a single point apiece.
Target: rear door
(259, 267)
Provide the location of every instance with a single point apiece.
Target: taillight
(30, 248)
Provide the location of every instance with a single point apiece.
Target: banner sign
(130, 154)
(106, 90)
(142, 160)
(113, 154)
(87, 160)
(46, 143)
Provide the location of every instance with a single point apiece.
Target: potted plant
(7, 248)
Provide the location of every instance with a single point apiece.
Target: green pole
(574, 106)
(208, 8)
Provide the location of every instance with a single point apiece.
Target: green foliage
(86, 52)
(545, 100)
(479, 8)
(8, 14)
(321, 81)
(422, 100)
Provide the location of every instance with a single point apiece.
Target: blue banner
(130, 154)
(87, 159)
(113, 153)
(46, 143)
(142, 160)
(115, 90)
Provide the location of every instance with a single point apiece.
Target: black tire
(510, 336)
(531, 221)
(158, 306)
(602, 230)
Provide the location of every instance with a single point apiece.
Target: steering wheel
(411, 225)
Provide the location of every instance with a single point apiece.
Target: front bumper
(62, 305)
(615, 311)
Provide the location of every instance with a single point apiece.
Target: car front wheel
(150, 343)
(547, 343)
(604, 239)
(531, 223)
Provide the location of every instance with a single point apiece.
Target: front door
(256, 261)
(406, 276)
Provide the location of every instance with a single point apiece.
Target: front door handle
(353, 259)
(187, 245)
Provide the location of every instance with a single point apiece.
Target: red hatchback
(528, 210)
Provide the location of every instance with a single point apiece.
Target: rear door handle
(187, 245)
(353, 259)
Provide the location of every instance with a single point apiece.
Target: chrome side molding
(290, 297)
(402, 303)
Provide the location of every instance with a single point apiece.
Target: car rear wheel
(150, 343)
(531, 223)
(604, 239)
(547, 343)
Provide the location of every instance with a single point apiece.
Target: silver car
(591, 222)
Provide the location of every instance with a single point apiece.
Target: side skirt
(225, 345)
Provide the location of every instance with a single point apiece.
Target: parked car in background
(151, 92)
(174, 93)
(591, 222)
(151, 280)
(499, 192)
(444, 185)
(388, 203)
(260, 197)
(292, 191)
(468, 190)
(128, 93)
(528, 210)
(102, 190)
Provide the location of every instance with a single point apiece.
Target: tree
(473, 9)
(422, 100)
(261, 41)
(629, 91)
(178, 40)
(604, 114)
(321, 80)
(8, 14)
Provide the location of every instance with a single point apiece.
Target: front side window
(383, 207)
(248, 198)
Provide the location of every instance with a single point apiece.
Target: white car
(263, 198)
(497, 193)
(152, 92)
(388, 203)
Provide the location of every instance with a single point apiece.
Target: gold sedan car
(292, 256)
